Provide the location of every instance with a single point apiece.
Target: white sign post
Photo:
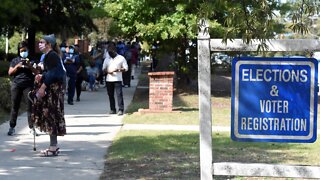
(239, 169)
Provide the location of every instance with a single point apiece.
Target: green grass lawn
(136, 145)
(175, 154)
(186, 111)
(153, 155)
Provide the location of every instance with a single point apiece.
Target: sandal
(48, 152)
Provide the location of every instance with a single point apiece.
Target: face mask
(112, 54)
(71, 51)
(63, 49)
(42, 46)
(24, 54)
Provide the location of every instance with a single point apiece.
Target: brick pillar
(160, 91)
(83, 45)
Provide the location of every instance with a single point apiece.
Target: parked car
(221, 60)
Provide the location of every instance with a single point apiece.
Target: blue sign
(274, 99)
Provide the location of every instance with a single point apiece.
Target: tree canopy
(175, 21)
(154, 20)
(58, 16)
(151, 20)
(74, 16)
(246, 19)
(65, 18)
(15, 15)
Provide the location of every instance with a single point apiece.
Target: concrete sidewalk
(90, 130)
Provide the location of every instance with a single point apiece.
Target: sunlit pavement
(90, 130)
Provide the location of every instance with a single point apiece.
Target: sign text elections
(273, 99)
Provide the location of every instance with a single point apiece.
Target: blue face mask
(63, 49)
(24, 54)
(71, 51)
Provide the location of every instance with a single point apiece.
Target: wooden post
(204, 82)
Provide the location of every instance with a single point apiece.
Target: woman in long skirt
(48, 107)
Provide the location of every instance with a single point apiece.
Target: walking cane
(34, 139)
(34, 130)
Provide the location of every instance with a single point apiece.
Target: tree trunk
(32, 42)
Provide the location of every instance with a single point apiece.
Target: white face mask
(42, 46)
(24, 54)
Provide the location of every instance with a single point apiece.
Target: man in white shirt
(113, 66)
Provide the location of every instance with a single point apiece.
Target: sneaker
(120, 113)
(34, 132)
(112, 112)
(11, 131)
(78, 99)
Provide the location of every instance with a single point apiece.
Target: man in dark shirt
(71, 63)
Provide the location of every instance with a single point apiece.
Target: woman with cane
(48, 106)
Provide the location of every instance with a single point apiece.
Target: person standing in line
(97, 56)
(81, 72)
(114, 66)
(48, 107)
(63, 48)
(134, 59)
(62, 54)
(93, 74)
(126, 76)
(71, 62)
(105, 55)
(23, 77)
(138, 47)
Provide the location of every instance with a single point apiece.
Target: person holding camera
(23, 72)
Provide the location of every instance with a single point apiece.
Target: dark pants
(100, 78)
(115, 86)
(78, 85)
(16, 97)
(71, 88)
(127, 76)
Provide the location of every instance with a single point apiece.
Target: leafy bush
(11, 56)
(4, 66)
(7, 57)
(5, 102)
(3, 56)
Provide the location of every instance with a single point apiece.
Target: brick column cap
(164, 73)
